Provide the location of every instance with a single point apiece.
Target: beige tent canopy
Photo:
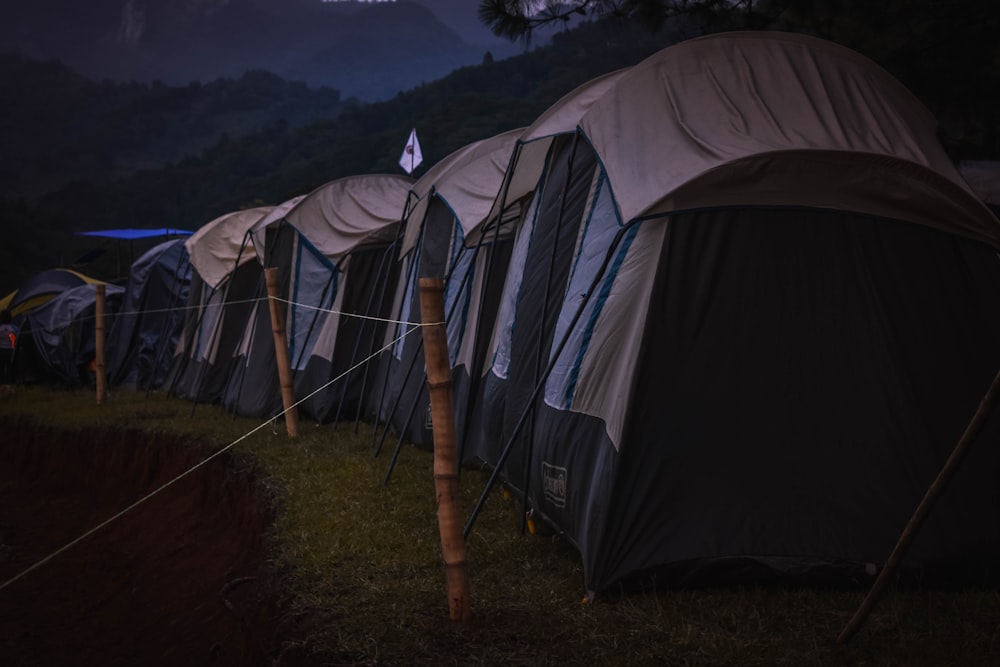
(721, 132)
(217, 248)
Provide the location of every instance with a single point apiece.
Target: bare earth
(180, 579)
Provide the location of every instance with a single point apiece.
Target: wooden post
(923, 509)
(439, 384)
(102, 386)
(281, 353)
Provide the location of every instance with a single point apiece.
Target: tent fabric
(41, 287)
(748, 313)
(983, 176)
(536, 139)
(457, 199)
(58, 338)
(225, 282)
(217, 248)
(246, 389)
(469, 185)
(345, 241)
(214, 324)
(258, 231)
(722, 103)
(334, 251)
(351, 212)
(145, 333)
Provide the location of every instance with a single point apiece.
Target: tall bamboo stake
(102, 386)
(923, 509)
(439, 384)
(281, 353)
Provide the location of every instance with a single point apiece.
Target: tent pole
(233, 360)
(232, 364)
(922, 510)
(189, 342)
(413, 361)
(385, 378)
(252, 318)
(571, 161)
(467, 281)
(541, 382)
(178, 270)
(211, 345)
(385, 269)
(475, 372)
(402, 436)
(102, 380)
(355, 352)
(302, 350)
(399, 400)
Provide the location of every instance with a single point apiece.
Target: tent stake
(439, 383)
(923, 509)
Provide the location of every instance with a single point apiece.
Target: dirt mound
(178, 579)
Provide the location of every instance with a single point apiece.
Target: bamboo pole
(923, 509)
(102, 381)
(439, 384)
(281, 353)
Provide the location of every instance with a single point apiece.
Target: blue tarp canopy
(132, 234)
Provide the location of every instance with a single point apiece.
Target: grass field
(361, 556)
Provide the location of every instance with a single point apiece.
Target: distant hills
(366, 50)
(83, 154)
(56, 126)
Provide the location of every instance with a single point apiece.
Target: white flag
(411, 154)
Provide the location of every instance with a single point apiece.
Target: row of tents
(717, 317)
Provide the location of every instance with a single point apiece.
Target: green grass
(364, 566)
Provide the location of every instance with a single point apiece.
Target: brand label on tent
(554, 484)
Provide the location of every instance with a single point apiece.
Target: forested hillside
(57, 126)
(150, 156)
(252, 141)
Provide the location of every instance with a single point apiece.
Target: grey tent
(251, 386)
(145, 333)
(331, 251)
(57, 344)
(41, 287)
(750, 311)
(449, 204)
(222, 292)
(451, 234)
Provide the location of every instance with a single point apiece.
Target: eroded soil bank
(180, 578)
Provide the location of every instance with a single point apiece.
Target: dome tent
(332, 251)
(144, 335)
(750, 312)
(224, 277)
(450, 205)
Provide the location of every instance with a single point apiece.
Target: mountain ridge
(368, 51)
